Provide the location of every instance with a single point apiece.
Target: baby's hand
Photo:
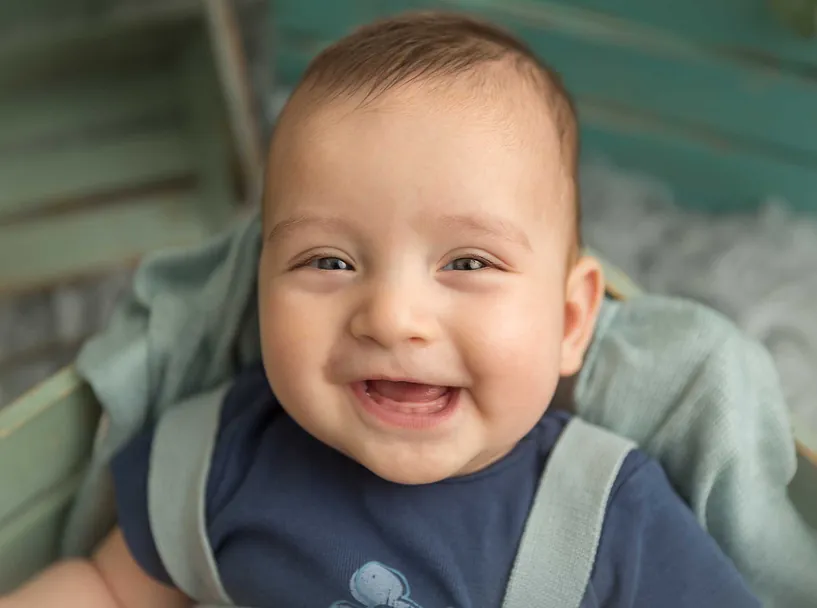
(112, 579)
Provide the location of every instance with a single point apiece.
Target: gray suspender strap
(558, 547)
(177, 480)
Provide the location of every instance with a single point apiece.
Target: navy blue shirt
(294, 523)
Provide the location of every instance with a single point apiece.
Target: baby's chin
(417, 470)
(410, 476)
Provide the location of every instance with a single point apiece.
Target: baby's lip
(406, 379)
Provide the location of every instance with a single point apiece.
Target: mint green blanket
(675, 377)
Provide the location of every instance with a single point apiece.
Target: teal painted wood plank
(133, 34)
(236, 91)
(291, 63)
(43, 178)
(723, 97)
(56, 110)
(705, 173)
(671, 28)
(59, 16)
(45, 441)
(31, 541)
(329, 18)
(45, 436)
(41, 251)
(207, 133)
(33, 11)
(744, 28)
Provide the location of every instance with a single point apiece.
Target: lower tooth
(422, 409)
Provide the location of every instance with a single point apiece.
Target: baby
(421, 293)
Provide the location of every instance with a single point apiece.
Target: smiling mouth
(407, 404)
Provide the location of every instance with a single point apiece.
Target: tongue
(408, 392)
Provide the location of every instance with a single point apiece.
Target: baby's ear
(584, 294)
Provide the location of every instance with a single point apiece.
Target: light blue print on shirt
(377, 586)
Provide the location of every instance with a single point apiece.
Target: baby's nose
(390, 315)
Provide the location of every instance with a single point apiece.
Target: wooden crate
(124, 128)
(116, 135)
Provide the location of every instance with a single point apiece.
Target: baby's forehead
(497, 92)
(427, 132)
(461, 138)
(509, 110)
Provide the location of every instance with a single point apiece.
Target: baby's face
(412, 283)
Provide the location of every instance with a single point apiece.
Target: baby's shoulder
(653, 551)
(248, 411)
(643, 503)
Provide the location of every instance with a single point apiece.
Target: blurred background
(128, 126)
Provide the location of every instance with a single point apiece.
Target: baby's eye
(466, 264)
(328, 263)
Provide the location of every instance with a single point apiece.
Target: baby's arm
(110, 579)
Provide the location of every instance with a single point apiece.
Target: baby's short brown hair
(433, 45)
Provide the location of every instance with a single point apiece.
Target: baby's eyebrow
(487, 225)
(481, 224)
(299, 222)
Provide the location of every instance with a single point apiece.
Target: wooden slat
(746, 28)
(55, 110)
(208, 132)
(50, 37)
(31, 541)
(35, 22)
(705, 173)
(228, 53)
(330, 20)
(726, 98)
(14, 15)
(53, 49)
(21, 13)
(292, 60)
(44, 437)
(39, 251)
(85, 168)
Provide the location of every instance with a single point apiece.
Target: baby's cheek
(291, 316)
(290, 341)
(514, 362)
(517, 334)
